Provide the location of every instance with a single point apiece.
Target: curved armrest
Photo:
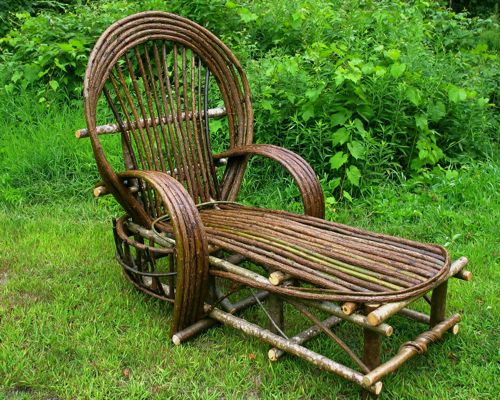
(301, 171)
(191, 248)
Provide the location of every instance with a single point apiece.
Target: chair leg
(372, 343)
(438, 304)
(275, 308)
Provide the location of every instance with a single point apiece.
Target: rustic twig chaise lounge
(160, 79)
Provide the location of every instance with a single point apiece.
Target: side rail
(141, 123)
(100, 189)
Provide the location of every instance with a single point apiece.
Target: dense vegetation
(475, 7)
(367, 91)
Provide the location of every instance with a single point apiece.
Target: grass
(72, 327)
(40, 159)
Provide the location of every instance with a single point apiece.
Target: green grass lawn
(72, 327)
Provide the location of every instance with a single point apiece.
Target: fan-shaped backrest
(154, 71)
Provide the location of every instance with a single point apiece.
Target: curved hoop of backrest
(138, 29)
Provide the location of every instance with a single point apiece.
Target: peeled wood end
(366, 381)
(467, 276)
(389, 331)
(78, 134)
(99, 191)
(455, 329)
(277, 277)
(349, 307)
(271, 354)
(377, 387)
(373, 320)
(176, 340)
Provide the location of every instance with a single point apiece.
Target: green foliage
(365, 98)
(8, 9)
(53, 48)
(475, 7)
(365, 90)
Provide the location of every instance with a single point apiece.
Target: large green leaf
(357, 149)
(340, 136)
(353, 175)
(397, 69)
(341, 117)
(339, 159)
(413, 94)
(456, 94)
(421, 122)
(393, 54)
(436, 111)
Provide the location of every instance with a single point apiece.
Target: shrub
(365, 90)
(9, 8)
(52, 48)
(371, 97)
(475, 7)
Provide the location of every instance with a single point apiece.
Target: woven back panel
(154, 71)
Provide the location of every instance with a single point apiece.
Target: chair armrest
(301, 171)
(191, 246)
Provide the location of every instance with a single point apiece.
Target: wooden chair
(161, 80)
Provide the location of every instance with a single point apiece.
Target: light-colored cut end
(176, 340)
(373, 320)
(455, 329)
(277, 277)
(271, 354)
(467, 275)
(349, 307)
(367, 382)
(99, 191)
(463, 260)
(78, 134)
(389, 331)
(377, 387)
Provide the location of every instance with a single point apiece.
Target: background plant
(475, 7)
(367, 91)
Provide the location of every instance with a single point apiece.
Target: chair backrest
(157, 75)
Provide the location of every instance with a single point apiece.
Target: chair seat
(332, 261)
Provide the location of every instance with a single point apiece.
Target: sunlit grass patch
(71, 326)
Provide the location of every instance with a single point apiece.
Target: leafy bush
(475, 7)
(52, 48)
(373, 98)
(9, 8)
(365, 90)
